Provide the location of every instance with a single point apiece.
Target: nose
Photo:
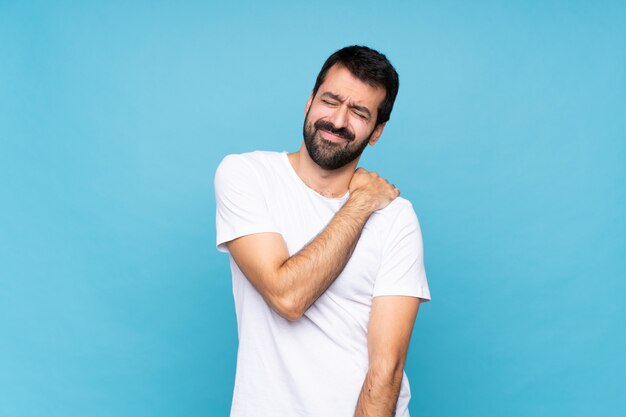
(339, 117)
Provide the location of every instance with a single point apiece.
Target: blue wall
(508, 136)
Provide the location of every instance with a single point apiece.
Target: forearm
(379, 394)
(305, 276)
(290, 284)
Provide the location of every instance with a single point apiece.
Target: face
(341, 119)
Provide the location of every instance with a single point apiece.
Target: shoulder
(249, 159)
(397, 219)
(246, 164)
(399, 209)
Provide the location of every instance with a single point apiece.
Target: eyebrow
(341, 99)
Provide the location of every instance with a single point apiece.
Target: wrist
(361, 203)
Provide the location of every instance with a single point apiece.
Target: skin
(389, 333)
(291, 284)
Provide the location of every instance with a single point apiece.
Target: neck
(329, 183)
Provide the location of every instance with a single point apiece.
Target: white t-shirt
(313, 367)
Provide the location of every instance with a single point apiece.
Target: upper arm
(389, 331)
(245, 226)
(241, 207)
(260, 257)
(402, 265)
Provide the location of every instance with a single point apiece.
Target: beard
(330, 155)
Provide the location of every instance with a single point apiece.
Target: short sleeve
(402, 270)
(241, 208)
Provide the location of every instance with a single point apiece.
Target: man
(326, 259)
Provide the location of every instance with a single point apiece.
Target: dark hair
(369, 66)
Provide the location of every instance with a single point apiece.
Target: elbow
(288, 308)
(284, 299)
(291, 315)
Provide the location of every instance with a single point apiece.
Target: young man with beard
(327, 260)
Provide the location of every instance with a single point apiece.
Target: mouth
(332, 137)
(330, 133)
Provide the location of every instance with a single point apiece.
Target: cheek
(317, 113)
(361, 129)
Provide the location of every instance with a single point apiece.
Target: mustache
(329, 127)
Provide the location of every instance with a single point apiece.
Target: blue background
(508, 135)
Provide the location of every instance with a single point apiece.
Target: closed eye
(361, 115)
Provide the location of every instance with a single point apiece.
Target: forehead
(341, 82)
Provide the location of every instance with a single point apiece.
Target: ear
(308, 104)
(378, 130)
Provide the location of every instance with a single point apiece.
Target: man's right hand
(371, 190)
